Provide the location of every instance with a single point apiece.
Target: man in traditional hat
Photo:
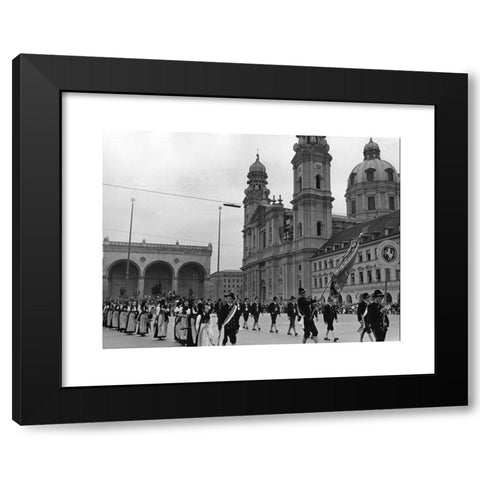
(377, 316)
(365, 327)
(292, 312)
(305, 307)
(228, 320)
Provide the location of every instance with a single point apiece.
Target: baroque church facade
(283, 245)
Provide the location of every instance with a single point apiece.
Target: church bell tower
(312, 196)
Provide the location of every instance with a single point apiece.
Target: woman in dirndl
(122, 320)
(205, 337)
(181, 323)
(132, 319)
(163, 320)
(116, 314)
(191, 325)
(143, 320)
(110, 315)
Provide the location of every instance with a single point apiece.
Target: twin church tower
(279, 242)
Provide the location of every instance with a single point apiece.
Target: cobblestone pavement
(345, 329)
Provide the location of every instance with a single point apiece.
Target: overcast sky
(209, 166)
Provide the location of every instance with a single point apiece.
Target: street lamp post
(127, 273)
(232, 205)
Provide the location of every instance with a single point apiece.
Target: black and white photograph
(247, 239)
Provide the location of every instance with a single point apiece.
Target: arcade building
(155, 268)
(286, 248)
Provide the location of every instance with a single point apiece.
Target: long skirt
(109, 318)
(131, 322)
(191, 332)
(142, 328)
(116, 314)
(205, 336)
(123, 321)
(160, 327)
(181, 328)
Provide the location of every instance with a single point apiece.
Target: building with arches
(155, 268)
(283, 247)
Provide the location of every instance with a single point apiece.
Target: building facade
(280, 243)
(371, 270)
(155, 267)
(224, 282)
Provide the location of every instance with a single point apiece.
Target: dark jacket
(274, 308)
(376, 317)
(362, 306)
(291, 309)
(329, 313)
(255, 309)
(305, 307)
(233, 324)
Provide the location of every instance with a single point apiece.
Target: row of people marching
(193, 326)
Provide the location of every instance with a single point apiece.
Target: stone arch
(191, 279)
(158, 275)
(116, 278)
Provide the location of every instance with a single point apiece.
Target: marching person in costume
(122, 321)
(292, 315)
(377, 316)
(205, 332)
(365, 327)
(306, 310)
(228, 320)
(245, 313)
(132, 319)
(329, 315)
(274, 310)
(143, 320)
(256, 309)
(116, 315)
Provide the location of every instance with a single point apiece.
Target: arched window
(370, 176)
(299, 230)
(389, 174)
(319, 229)
(352, 178)
(318, 178)
(299, 184)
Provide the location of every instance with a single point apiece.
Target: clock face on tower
(318, 166)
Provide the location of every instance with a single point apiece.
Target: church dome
(373, 168)
(257, 166)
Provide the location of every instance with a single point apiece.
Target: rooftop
(342, 239)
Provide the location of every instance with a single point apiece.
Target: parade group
(193, 319)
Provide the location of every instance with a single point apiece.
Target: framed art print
(297, 220)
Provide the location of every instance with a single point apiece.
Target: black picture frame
(38, 83)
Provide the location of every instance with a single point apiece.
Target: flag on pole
(340, 277)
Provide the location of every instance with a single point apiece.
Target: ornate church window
(319, 229)
(318, 179)
(299, 184)
(370, 176)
